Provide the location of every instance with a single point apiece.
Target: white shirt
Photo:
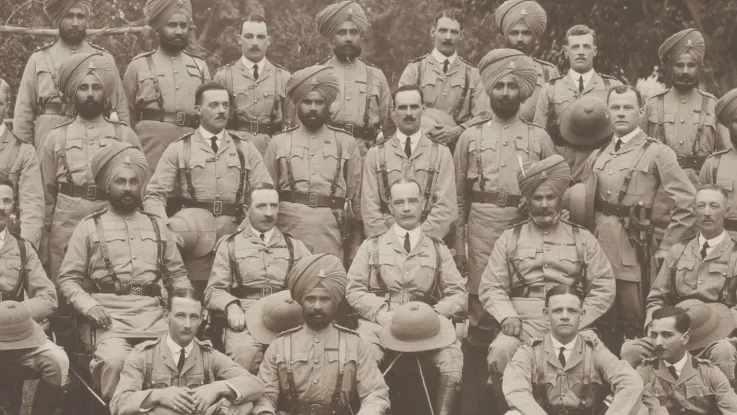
(3, 234)
(176, 349)
(208, 135)
(414, 235)
(414, 139)
(442, 58)
(567, 348)
(713, 242)
(249, 65)
(267, 234)
(3, 127)
(679, 364)
(586, 76)
(627, 137)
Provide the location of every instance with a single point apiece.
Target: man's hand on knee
(99, 315)
(512, 326)
(236, 317)
(175, 398)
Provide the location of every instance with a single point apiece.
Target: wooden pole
(37, 31)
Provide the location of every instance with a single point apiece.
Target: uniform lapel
(551, 354)
(717, 252)
(193, 358)
(664, 375)
(568, 82)
(398, 150)
(688, 371)
(204, 143)
(577, 354)
(225, 144)
(166, 356)
(453, 67)
(265, 72)
(595, 80)
(422, 146)
(247, 72)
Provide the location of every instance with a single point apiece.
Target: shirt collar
(441, 58)
(626, 138)
(681, 363)
(568, 346)
(413, 139)
(175, 348)
(414, 234)
(249, 64)
(208, 135)
(3, 234)
(267, 234)
(586, 76)
(713, 241)
(3, 127)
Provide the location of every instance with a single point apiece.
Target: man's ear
(197, 110)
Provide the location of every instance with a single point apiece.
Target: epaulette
(324, 61)
(190, 134)
(701, 361)
(207, 344)
(415, 60)
(95, 214)
(706, 94)
(18, 138)
(436, 141)
(115, 121)
(718, 152)
(380, 142)
(193, 55)
(146, 344)
(436, 239)
(546, 63)
(63, 124)
(286, 130)
(367, 63)
(514, 225)
(467, 62)
(46, 46)
(279, 66)
(479, 122)
(649, 361)
(100, 48)
(535, 341)
(572, 224)
(590, 338)
(149, 214)
(292, 330)
(336, 128)
(686, 240)
(531, 123)
(556, 78)
(657, 94)
(603, 75)
(144, 54)
(345, 329)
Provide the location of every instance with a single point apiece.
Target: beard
(313, 120)
(347, 52)
(540, 217)
(505, 109)
(72, 36)
(90, 109)
(685, 82)
(126, 203)
(175, 44)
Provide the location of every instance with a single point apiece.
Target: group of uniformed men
(289, 200)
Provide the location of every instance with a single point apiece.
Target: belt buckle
(348, 127)
(313, 200)
(681, 160)
(91, 192)
(315, 409)
(266, 290)
(217, 208)
(4, 297)
(501, 199)
(405, 297)
(181, 118)
(546, 288)
(122, 288)
(136, 289)
(254, 127)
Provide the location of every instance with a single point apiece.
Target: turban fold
(512, 12)
(314, 78)
(499, 63)
(727, 107)
(109, 161)
(686, 41)
(334, 15)
(553, 170)
(158, 12)
(57, 9)
(74, 69)
(317, 271)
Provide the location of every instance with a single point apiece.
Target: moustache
(448, 42)
(220, 117)
(409, 118)
(255, 48)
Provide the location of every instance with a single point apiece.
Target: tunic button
(504, 143)
(348, 98)
(699, 281)
(683, 121)
(608, 192)
(546, 265)
(316, 362)
(315, 381)
(610, 173)
(547, 248)
(134, 257)
(312, 154)
(546, 233)
(680, 142)
(313, 173)
(176, 72)
(317, 340)
(506, 126)
(218, 176)
(255, 100)
(177, 88)
(444, 94)
(131, 238)
(683, 102)
(504, 164)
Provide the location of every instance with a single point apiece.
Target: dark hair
(452, 14)
(622, 89)
(256, 18)
(405, 88)
(580, 30)
(405, 180)
(182, 293)
(9, 183)
(708, 186)
(683, 321)
(257, 186)
(210, 86)
(5, 89)
(562, 289)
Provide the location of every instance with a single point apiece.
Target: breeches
(243, 349)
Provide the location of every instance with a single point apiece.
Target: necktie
(703, 252)
(262, 237)
(580, 84)
(562, 357)
(255, 72)
(445, 66)
(408, 147)
(180, 363)
(407, 246)
(672, 371)
(214, 144)
(617, 145)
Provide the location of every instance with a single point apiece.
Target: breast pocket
(194, 380)
(426, 277)
(149, 248)
(234, 166)
(643, 182)
(700, 396)
(160, 380)
(349, 369)
(195, 79)
(75, 152)
(295, 161)
(386, 267)
(248, 260)
(685, 275)
(524, 259)
(45, 83)
(266, 98)
(486, 150)
(300, 367)
(117, 247)
(569, 261)
(330, 162)
(429, 83)
(576, 383)
(9, 272)
(243, 96)
(523, 150)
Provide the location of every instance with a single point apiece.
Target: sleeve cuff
(238, 396)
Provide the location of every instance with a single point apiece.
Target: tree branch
(38, 31)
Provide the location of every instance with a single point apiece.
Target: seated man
(250, 264)
(320, 368)
(677, 382)
(562, 372)
(406, 264)
(699, 268)
(115, 263)
(179, 374)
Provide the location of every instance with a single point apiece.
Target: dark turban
(334, 15)
(314, 78)
(512, 12)
(553, 170)
(317, 271)
(109, 161)
(502, 62)
(158, 12)
(57, 9)
(79, 65)
(686, 41)
(727, 107)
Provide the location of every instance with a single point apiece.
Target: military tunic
(134, 388)
(554, 98)
(260, 105)
(545, 72)
(65, 160)
(40, 106)
(721, 169)
(314, 357)
(325, 162)
(386, 162)
(172, 92)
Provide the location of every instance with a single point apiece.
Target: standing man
(316, 166)
(209, 169)
(624, 177)
(409, 153)
(87, 80)
(448, 82)
(42, 103)
(258, 85)
(117, 261)
(523, 23)
(160, 85)
(249, 265)
(487, 159)
(560, 92)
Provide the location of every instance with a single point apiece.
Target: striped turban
(686, 41)
(158, 12)
(317, 271)
(111, 160)
(553, 170)
(314, 78)
(727, 107)
(331, 17)
(499, 63)
(530, 12)
(57, 9)
(79, 65)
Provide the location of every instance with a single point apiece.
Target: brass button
(348, 98)
(504, 143)
(504, 164)
(683, 121)
(608, 192)
(683, 101)
(506, 126)
(546, 265)
(315, 361)
(317, 340)
(680, 142)
(315, 381)
(177, 88)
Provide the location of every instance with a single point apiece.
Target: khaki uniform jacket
(657, 167)
(563, 94)
(404, 272)
(563, 385)
(38, 87)
(130, 394)
(24, 170)
(721, 168)
(700, 389)
(444, 210)
(444, 90)
(40, 293)
(315, 360)
(260, 264)
(547, 258)
(131, 244)
(545, 72)
(263, 100)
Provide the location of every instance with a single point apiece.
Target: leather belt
(369, 133)
(125, 288)
(217, 208)
(91, 192)
(253, 293)
(317, 409)
(255, 127)
(402, 297)
(577, 411)
(312, 200)
(622, 211)
(730, 225)
(535, 291)
(181, 118)
(5, 296)
(501, 199)
(691, 162)
(56, 108)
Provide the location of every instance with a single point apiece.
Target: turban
(727, 107)
(686, 41)
(512, 12)
(57, 9)
(314, 78)
(317, 271)
(109, 161)
(74, 69)
(499, 63)
(334, 15)
(553, 170)
(158, 12)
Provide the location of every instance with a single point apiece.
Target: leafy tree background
(629, 32)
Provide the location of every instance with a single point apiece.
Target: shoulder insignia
(659, 93)
(46, 46)
(234, 234)
(18, 138)
(467, 62)
(531, 123)
(190, 134)
(324, 61)
(367, 63)
(478, 123)
(147, 344)
(701, 361)
(705, 93)
(686, 240)
(292, 330)
(144, 54)
(64, 123)
(345, 329)
(590, 338)
(517, 224)
(436, 141)
(649, 361)
(435, 239)
(100, 48)
(205, 344)
(234, 137)
(279, 66)
(229, 65)
(603, 75)
(336, 128)
(556, 78)
(286, 130)
(535, 341)
(418, 59)
(718, 152)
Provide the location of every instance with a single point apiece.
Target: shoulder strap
(18, 289)
(234, 269)
(278, 99)
(588, 359)
(724, 294)
(103, 248)
(196, 65)
(229, 81)
(680, 248)
(702, 121)
(155, 77)
(290, 373)
(421, 71)
(13, 155)
(546, 72)
(431, 175)
(581, 252)
(290, 249)
(464, 94)
(375, 265)
(607, 82)
(341, 368)
(52, 69)
(631, 171)
(148, 366)
(163, 271)
(382, 170)
(63, 157)
(715, 167)
(242, 182)
(369, 90)
(551, 104)
(338, 167)
(479, 164)
(207, 369)
(290, 173)
(510, 258)
(661, 118)
(438, 271)
(187, 156)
